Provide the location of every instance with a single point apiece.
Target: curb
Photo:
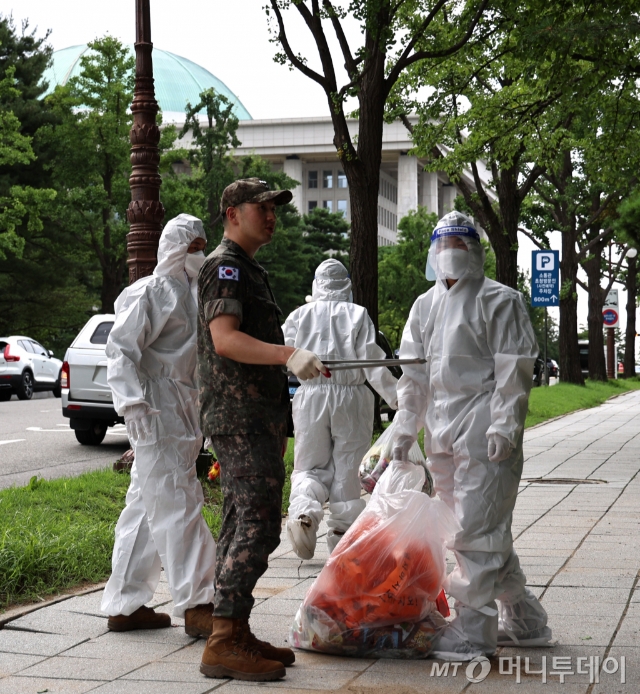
(17, 612)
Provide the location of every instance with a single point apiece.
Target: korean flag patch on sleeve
(229, 273)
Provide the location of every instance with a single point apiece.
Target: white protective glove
(499, 448)
(401, 448)
(306, 365)
(137, 419)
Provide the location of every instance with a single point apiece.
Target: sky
(230, 39)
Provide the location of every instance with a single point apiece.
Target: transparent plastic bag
(378, 457)
(376, 596)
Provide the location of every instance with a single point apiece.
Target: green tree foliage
(19, 202)
(42, 283)
(92, 167)
(212, 165)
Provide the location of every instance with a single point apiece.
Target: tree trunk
(110, 290)
(597, 364)
(363, 175)
(630, 336)
(506, 262)
(570, 371)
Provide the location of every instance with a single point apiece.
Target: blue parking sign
(545, 278)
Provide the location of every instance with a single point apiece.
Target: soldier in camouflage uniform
(244, 402)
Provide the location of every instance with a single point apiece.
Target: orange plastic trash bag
(377, 594)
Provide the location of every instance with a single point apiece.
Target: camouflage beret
(251, 190)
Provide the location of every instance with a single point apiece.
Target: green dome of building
(177, 80)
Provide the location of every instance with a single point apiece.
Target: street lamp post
(145, 212)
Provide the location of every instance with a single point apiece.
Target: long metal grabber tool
(342, 364)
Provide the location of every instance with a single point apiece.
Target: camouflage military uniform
(244, 409)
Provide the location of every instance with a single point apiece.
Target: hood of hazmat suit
(333, 416)
(480, 349)
(151, 353)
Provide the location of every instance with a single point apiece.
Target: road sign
(610, 310)
(545, 278)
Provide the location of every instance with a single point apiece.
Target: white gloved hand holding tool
(402, 447)
(306, 365)
(499, 448)
(137, 419)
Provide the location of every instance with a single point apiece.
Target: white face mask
(452, 263)
(193, 263)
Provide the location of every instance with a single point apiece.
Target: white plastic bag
(378, 457)
(377, 594)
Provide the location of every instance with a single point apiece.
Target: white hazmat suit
(333, 417)
(151, 368)
(471, 397)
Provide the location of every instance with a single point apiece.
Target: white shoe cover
(538, 638)
(302, 536)
(451, 645)
(333, 538)
(524, 624)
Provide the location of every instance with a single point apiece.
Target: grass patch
(57, 534)
(546, 403)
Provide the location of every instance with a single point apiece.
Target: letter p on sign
(545, 261)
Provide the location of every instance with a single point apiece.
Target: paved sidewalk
(577, 536)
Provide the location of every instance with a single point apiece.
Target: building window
(342, 180)
(327, 179)
(342, 207)
(313, 179)
(328, 205)
(312, 204)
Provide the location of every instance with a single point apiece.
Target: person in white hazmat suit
(151, 366)
(333, 418)
(471, 397)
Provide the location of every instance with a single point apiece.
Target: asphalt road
(35, 439)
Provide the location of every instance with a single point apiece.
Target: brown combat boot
(198, 620)
(228, 655)
(143, 618)
(283, 655)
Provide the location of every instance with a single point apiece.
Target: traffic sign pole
(611, 348)
(546, 367)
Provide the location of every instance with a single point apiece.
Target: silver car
(86, 396)
(27, 367)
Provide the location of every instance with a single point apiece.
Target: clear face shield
(448, 258)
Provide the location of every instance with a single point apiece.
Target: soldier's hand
(306, 365)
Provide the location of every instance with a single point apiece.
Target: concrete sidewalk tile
(379, 677)
(138, 687)
(271, 628)
(10, 663)
(61, 622)
(191, 654)
(105, 649)
(81, 668)
(629, 633)
(85, 604)
(31, 643)
(32, 685)
(556, 593)
(277, 606)
(299, 678)
(297, 592)
(622, 578)
(167, 671)
(321, 661)
(173, 635)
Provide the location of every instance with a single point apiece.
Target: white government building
(302, 147)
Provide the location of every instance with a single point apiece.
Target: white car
(86, 396)
(27, 367)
